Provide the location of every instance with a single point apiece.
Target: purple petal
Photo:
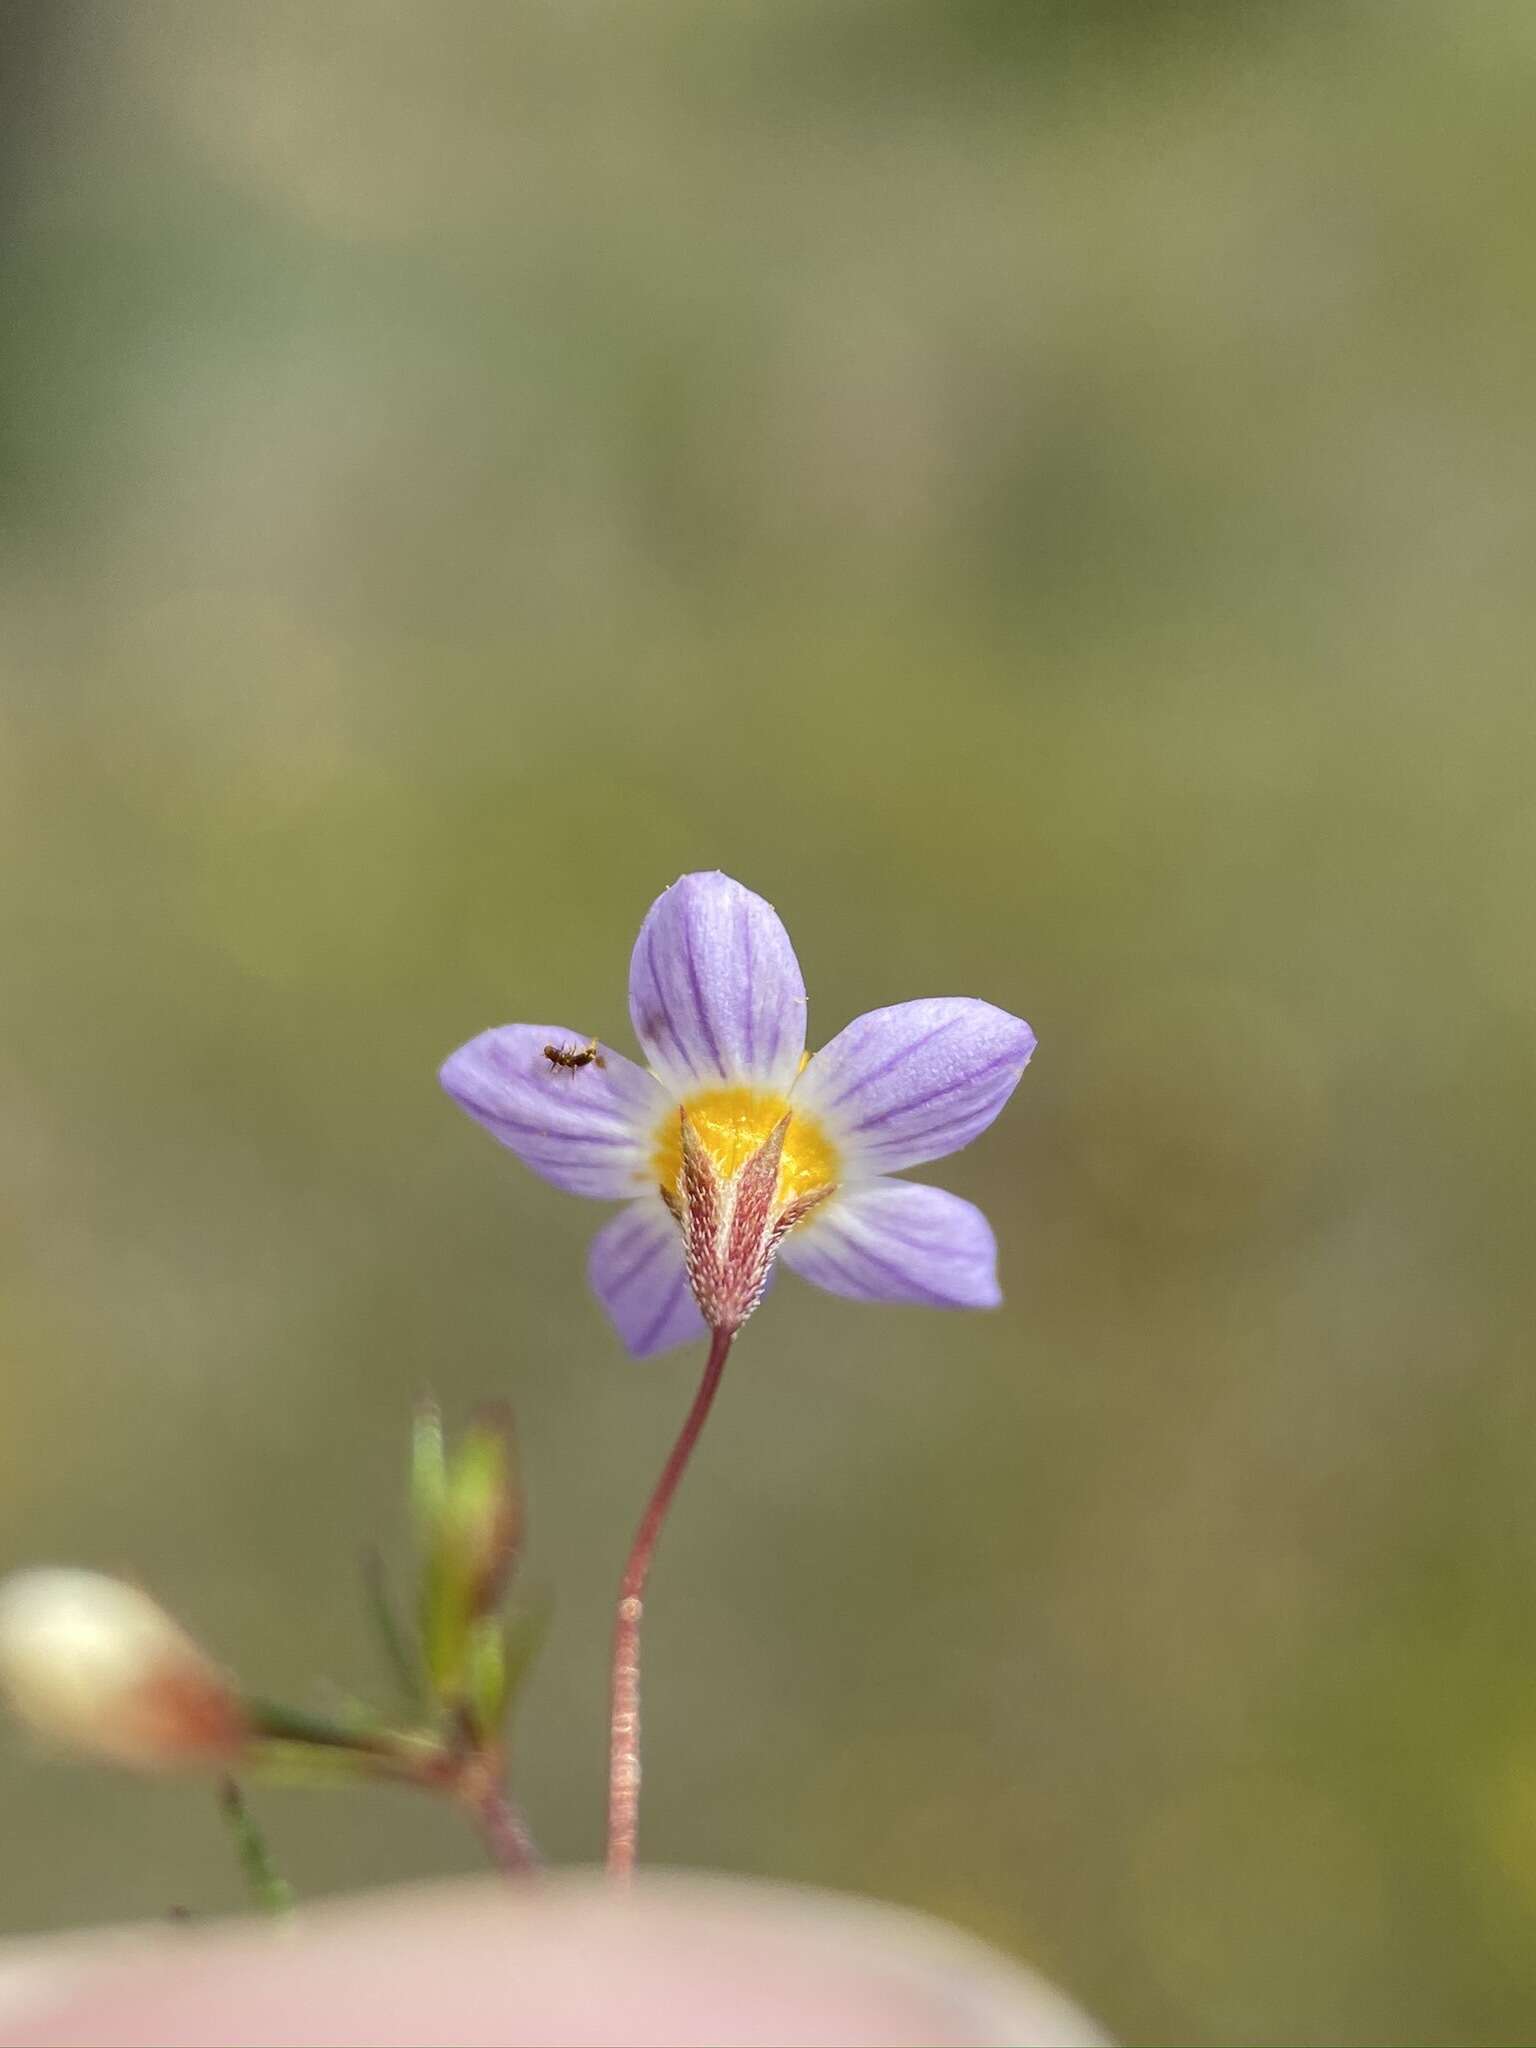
(715, 991)
(590, 1130)
(892, 1240)
(635, 1268)
(913, 1082)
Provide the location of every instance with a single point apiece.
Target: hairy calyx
(735, 1205)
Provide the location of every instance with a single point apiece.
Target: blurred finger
(680, 1960)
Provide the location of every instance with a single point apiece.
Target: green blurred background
(1042, 492)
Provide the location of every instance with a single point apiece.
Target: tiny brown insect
(572, 1057)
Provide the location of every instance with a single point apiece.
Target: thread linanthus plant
(735, 1147)
(732, 1149)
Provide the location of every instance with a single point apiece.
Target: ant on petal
(574, 1057)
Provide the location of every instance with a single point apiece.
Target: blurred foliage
(1042, 492)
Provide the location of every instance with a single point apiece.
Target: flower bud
(472, 1533)
(482, 1527)
(94, 1664)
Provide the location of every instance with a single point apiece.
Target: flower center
(733, 1123)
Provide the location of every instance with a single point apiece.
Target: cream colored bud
(95, 1664)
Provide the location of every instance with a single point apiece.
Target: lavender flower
(735, 1146)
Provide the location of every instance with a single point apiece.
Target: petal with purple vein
(715, 991)
(588, 1129)
(917, 1080)
(635, 1268)
(895, 1241)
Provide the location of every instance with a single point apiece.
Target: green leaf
(470, 1552)
(295, 1747)
(271, 1721)
(499, 1657)
(278, 1762)
(485, 1677)
(483, 1516)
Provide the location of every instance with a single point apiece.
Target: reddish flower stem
(624, 1726)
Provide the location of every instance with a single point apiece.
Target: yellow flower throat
(731, 1124)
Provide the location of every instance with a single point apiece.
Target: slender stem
(505, 1834)
(624, 1725)
(471, 1768)
(271, 1893)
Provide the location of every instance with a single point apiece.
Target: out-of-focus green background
(1043, 493)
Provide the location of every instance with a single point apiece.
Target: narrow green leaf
(444, 1626)
(278, 1762)
(485, 1676)
(271, 1720)
(484, 1513)
(500, 1656)
(269, 1892)
(469, 1552)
